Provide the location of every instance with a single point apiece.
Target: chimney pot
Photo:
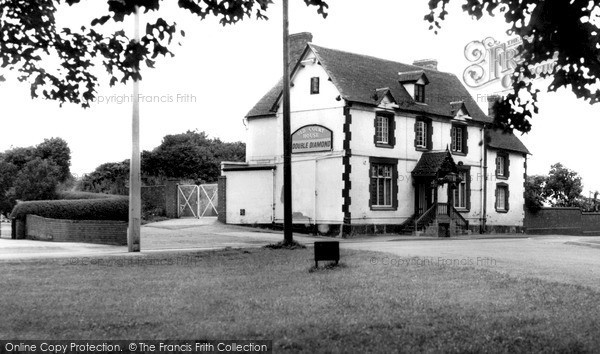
(427, 63)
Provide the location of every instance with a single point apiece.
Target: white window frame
(501, 166)
(501, 199)
(382, 173)
(457, 139)
(315, 84)
(420, 93)
(383, 130)
(460, 193)
(421, 134)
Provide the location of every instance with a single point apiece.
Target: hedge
(82, 209)
(70, 195)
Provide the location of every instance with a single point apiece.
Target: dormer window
(420, 93)
(314, 85)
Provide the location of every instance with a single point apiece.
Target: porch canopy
(435, 165)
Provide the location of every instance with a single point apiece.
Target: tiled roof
(434, 164)
(357, 76)
(411, 76)
(497, 139)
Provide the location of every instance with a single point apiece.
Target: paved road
(169, 235)
(555, 258)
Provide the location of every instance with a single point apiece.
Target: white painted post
(135, 183)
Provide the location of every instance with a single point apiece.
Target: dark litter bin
(327, 251)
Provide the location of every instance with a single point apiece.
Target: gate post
(222, 199)
(171, 198)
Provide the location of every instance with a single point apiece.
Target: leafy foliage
(30, 39)
(33, 173)
(562, 187)
(86, 209)
(566, 31)
(188, 156)
(109, 178)
(534, 189)
(37, 180)
(191, 155)
(70, 195)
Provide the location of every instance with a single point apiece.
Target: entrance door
(423, 197)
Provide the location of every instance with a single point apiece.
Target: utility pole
(287, 141)
(135, 183)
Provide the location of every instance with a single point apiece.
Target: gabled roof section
(498, 139)
(435, 164)
(413, 76)
(456, 107)
(358, 76)
(381, 94)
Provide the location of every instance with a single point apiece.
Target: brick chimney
(491, 100)
(427, 63)
(298, 42)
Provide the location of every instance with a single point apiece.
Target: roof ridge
(417, 68)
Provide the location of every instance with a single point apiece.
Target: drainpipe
(274, 180)
(315, 199)
(485, 177)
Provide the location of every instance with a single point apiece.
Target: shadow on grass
(285, 245)
(327, 267)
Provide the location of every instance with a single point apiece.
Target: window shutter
(506, 194)
(395, 186)
(374, 135)
(506, 166)
(468, 190)
(429, 135)
(392, 130)
(372, 189)
(465, 140)
(496, 201)
(415, 129)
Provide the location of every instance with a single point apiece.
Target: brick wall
(590, 224)
(171, 198)
(562, 221)
(90, 231)
(153, 201)
(222, 197)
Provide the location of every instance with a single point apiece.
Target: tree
(33, 173)
(559, 29)
(57, 150)
(188, 156)
(563, 187)
(109, 178)
(534, 192)
(37, 180)
(191, 155)
(7, 177)
(31, 43)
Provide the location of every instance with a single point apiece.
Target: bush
(83, 209)
(70, 195)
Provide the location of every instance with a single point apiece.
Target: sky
(219, 73)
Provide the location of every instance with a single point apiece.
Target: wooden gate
(197, 201)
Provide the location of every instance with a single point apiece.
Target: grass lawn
(274, 295)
